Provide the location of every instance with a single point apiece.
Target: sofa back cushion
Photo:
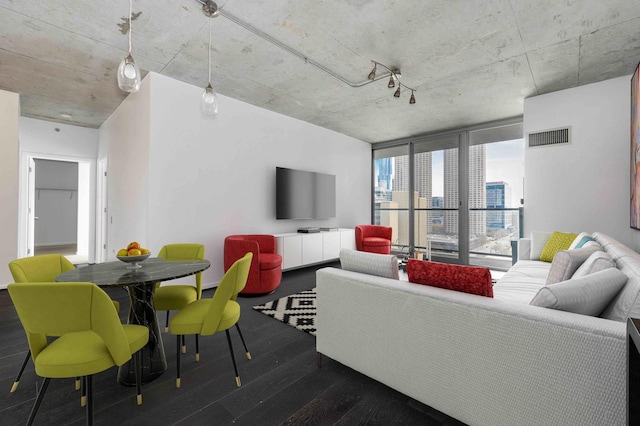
(588, 295)
(468, 279)
(627, 302)
(566, 262)
(382, 265)
(597, 261)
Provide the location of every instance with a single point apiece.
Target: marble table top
(116, 274)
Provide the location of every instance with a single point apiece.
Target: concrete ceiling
(469, 61)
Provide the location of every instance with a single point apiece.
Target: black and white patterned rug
(297, 310)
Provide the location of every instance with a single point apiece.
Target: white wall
(583, 186)
(9, 148)
(209, 178)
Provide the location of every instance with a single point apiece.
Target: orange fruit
(133, 245)
(134, 252)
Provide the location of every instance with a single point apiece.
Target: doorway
(58, 208)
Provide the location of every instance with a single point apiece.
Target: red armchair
(265, 272)
(374, 238)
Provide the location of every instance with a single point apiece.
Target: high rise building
(477, 190)
(384, 174)
(499, 197)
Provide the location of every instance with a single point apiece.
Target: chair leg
(178, 361)
(246, 350)
(41, 392)
(89, 382)
(16, 382)
(78, 384)
(197, 350)
(137, 364)
(184, 345)
(83, 393)
(233, 358)
(166, 323)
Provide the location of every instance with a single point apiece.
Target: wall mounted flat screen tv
(304, 195)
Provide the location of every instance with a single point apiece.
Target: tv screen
(304, 195)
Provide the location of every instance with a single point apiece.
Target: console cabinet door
(290, 248)
(312, 248)
(330, 245)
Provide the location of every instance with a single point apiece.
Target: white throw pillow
(587, 295)
(598, 261)
(538, 241)
(578, 239)
(382, 265)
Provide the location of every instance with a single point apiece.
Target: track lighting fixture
(128, 71)
(209, 103)
(394, 75)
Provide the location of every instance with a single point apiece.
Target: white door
(102, 222)
(31, 205)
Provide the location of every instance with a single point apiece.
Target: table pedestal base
(142, 312)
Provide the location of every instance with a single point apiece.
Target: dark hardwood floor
(280, 385)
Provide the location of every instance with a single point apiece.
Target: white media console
(299, 249)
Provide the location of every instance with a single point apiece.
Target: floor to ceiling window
(463, 214)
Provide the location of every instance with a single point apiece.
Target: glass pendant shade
(372, 74)
(209, 101)
(397, 93)
(412, 99)
(129, 75)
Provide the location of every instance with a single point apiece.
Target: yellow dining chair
(42, 268)
(175, 297)
(208, 316)
(91, 337)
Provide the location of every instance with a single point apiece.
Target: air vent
(550, 137)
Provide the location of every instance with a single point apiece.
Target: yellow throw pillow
(558, 241)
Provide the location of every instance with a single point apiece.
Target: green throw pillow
(558, 241)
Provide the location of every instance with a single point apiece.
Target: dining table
(140, 282)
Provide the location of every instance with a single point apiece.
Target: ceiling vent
(558, 136)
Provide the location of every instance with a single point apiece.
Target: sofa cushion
(557, 241)
(566, 262)
(468, 279)
(588, 295)
(597, 261)
(538, 241)
(382, 265)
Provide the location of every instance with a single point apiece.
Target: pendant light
(128, 71)
(209, 102)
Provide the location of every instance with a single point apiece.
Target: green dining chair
(42, 268)
(91, 338)
(208, 316)
(176, 296)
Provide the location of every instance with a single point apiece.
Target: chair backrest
(182, 252)
(42, 268)
(232, 282)
(55, 309)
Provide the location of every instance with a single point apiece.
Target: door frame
(25, 221)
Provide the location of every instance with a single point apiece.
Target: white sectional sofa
(484, 361)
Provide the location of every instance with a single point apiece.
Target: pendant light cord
(209, 49)
(130, 13)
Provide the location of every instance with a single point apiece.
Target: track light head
(397, 93)
(392, 83)
(372, 74)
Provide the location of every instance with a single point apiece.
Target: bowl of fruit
(133, 254)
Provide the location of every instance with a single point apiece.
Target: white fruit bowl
(134, 260)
